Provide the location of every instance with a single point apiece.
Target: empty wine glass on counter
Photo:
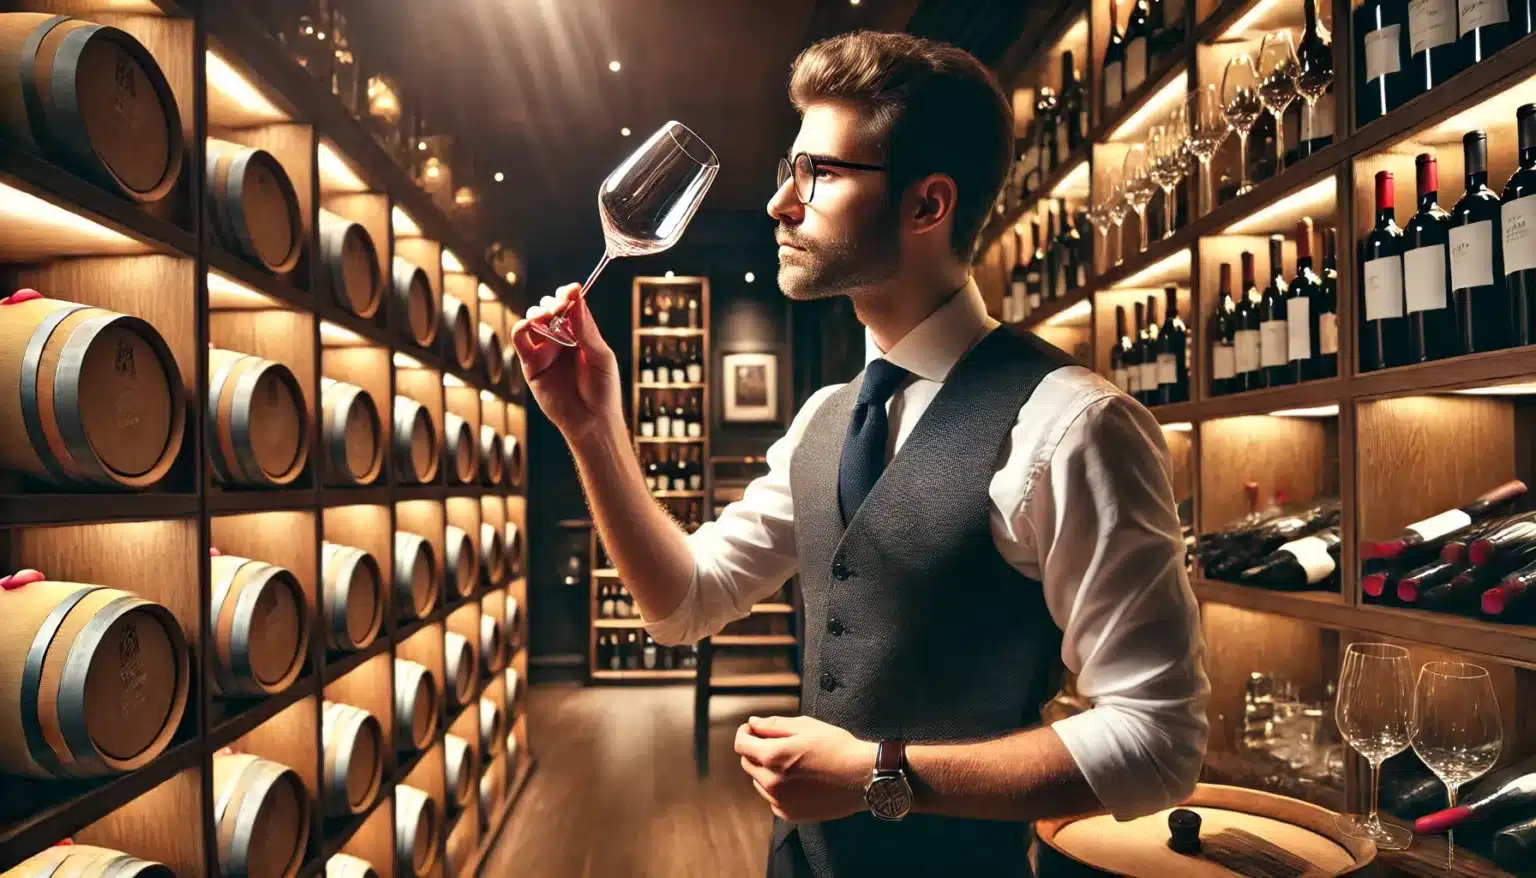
(1455, 728)
(1136, 178)
(1278, 70)
(1206, 126)
(1374, 710)
(1242, 105)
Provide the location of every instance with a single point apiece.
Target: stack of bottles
(1056, 266)
(1494, 816)
(1152, 365)
(1287, 547)
(1057, 131)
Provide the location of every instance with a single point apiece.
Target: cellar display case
(262, 286)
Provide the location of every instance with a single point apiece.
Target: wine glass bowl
(1278, 70)
(1374, 712)
(1136, 180)
(1456, 728)
(646, 203)
(1166, 149)
(1206, 128)
(1241, 104)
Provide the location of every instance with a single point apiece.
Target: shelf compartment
(374, 839)
(60, 509)
(369, 687)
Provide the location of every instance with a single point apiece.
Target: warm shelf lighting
(624, 132)
(1178, 427)
(750, 277)
(228, 83)
(615, 66)
(1522, 389)
(1134, 127)
(487, 396)
(1316, 200)
(405, 227)
(1498, 112)
(451, 261)
(1077, 34)
(226, 293)
(1076, 313)
(671, 273)
(337, 336)
(1259, 11)
(1074, 184)
(1317, 411)
(1174, 267)
(405, 361)
(511, 277)
(450, 380)
(63, 231)
(499, 177)
(336, 174)
(486, 295)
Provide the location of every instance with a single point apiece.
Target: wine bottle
(696, 362)
(1223, 337)
(1315, 52)
(1172, 352)
(1482, 803)
(1435, 54)
(1428, 532)
(1016, 302)
(1485, 28)
(1035, 279)
(1250, 374)
(1426, 271)
(693, 312)
(679, 368)
(648, 310)
(1483, 314)
(647, 420)
(1327, 307)
(1114, 63)
(1173, 24)
(1138, 59)
(663, 362)
(1274, 329)
(1309, 562)
(1137, 352)
(1046, 118)
(664, 309)
(1300, 314)
(679, 471)
(1501, 543)
(1061, 253)
(1381, 59)
(1519, 230)
(1154, 332)
(679, 420)
(695, 483)
(1075, 277)
(1516, 591)
(1073, 130)
(647, 363)
(695, 417)
(1433, 575)
(1084, 232)
(1514, 846)
(1384, 337)
(1119, 367)
(652, 473)
(663, 419)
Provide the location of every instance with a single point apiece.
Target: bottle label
(1274, 345)
(1247, 344)
(647, 429)
(1167, 369)
(1133, 379)
(1384, 288)
(1519, 221)
(1317, 123)
(1424, 278)
(679, 375)
(1312, 554)
(1121, 378)
(695, 429)
(1431, 23)
(1298, 319)
(679, 429)
(1437, 526)
(679, 483)
(647, 376)
(1135, 64)
(1149, 376)
(695, 373)
(1019, 289)
(1481, 13)
(1223, 362)
(1381, 55)
(1328, 333)
(1472, 255)
(663, 426)
(1114, 85)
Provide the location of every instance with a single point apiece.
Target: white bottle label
(1223, 362)
(1133, 379)
(1135, 64)
(1298, 319)
(1274, 345)
(1384, 288)
(1472, 255)
(1519, 221)
(1247, 344)
(1481, 13)
(1381, 55)
(695, 482)
(679, 375)
(1431, 23)
(695, 373)
(1167, 369)
(1328, 333)
(663, 426)
(1149, 376)
(695, 429)
(1437, 526)
(1424, 278)
(647, 376)
(1114, 85)
(1121, 378)
(647, 429)
(1019, 290)
(1317, 123)
(650, 483)
(1312, 554)
(679, 484)
(679, 429)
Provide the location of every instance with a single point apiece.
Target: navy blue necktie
(864, 448)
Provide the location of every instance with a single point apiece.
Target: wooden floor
(616, 793)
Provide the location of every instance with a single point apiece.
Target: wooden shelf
(656, 385)
(657, 440)
(753, 641)
(256, 711)
(346, 663)
(618, 623)
(47, 509)
(642, 675)
(669, 332)
(262, 500)
(677, 495)
(606, 573)
(772, 609)
(1047, 310)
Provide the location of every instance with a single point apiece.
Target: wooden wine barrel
(490, 794)
(492, 555)
(416, 828)
(512, 461)
(348, 866)
(253, 205)
(512, 748)
(86, 860)
(514, 690)
(260, 626)
(460, 449)
(459, 655)
(1234, 821)
(350, 264)
(461, 769)
(512, 550)
(415, 705)
(510, 368)
(354, 596)
(512, 627)
(415, 442)
(460, 564)
(490, 354)
(493, 651)
(415, 576)
(87, 396)
(354, 759)
(493, 469)
(262, 815)
(94, 680)
(351, 434)
(258, 424)
(92, 98)
(493, 728)
(412, 305)
(456, 339)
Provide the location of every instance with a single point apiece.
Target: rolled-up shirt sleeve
(1101, 514)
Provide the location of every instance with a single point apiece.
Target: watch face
(889, 797)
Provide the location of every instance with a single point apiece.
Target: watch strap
(891, 755)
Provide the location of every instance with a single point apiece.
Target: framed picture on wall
(751, 388)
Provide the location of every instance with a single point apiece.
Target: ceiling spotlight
(499, 177)
(853, 2)
(624, 132)
(614, 66)
(751, 277)
(671, 273)
(421, 145)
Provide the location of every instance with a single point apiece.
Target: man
(969, 512)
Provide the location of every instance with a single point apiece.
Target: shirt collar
(934, 346)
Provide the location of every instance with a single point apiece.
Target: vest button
(828, 683)
(840, 571)
(835, 627)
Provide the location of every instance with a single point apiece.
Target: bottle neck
(1428, 199)
(1528, 154)
(1477, 180)
(1385, 216)
(1309, 9)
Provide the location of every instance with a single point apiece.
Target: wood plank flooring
(616, 794)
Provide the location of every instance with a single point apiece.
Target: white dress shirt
(1082, 501)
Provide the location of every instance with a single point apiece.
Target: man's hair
(936, 109)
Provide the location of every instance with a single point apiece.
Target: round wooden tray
(1099, 844)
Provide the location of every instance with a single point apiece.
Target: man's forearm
(649, 549)
(1026, 775)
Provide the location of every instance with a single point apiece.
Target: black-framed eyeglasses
(803, 168)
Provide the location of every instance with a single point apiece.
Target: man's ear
(931, 201)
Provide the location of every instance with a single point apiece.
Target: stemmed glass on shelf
(1206, 126)
(1168, 160)
(1119, 207)
(1455, 728)
(1136, 180)
(1099, 216)
(1278, 70)
(1242, 105)
(1373, 711)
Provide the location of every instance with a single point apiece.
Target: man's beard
(840, 267)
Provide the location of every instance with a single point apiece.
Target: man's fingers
(770, 726)
(534, 351)
(759, 750)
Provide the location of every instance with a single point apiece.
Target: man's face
(848, 238)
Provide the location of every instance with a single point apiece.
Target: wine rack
(670, 402)
(292, 475)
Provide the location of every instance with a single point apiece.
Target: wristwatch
(888, 794)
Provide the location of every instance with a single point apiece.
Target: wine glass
(1242, 105)
(1455, 727)
(1373, 712)
(1205, 129)
(646, 203)
(1314, 73)
(1119, 207)
(1278, 70)
(1098, 215)
(1169, 161)
(1136, 178)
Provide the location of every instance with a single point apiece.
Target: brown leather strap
(891, 755)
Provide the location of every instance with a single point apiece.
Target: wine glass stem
(1168, 211)
(558, 321)
(1205, 187)
(1279, 140)
(1373, 819)
(1242, 161)
(1141, 216)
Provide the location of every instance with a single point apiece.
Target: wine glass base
(556, 330)
(1384, 835)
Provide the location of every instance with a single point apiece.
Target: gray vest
(915, 626)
